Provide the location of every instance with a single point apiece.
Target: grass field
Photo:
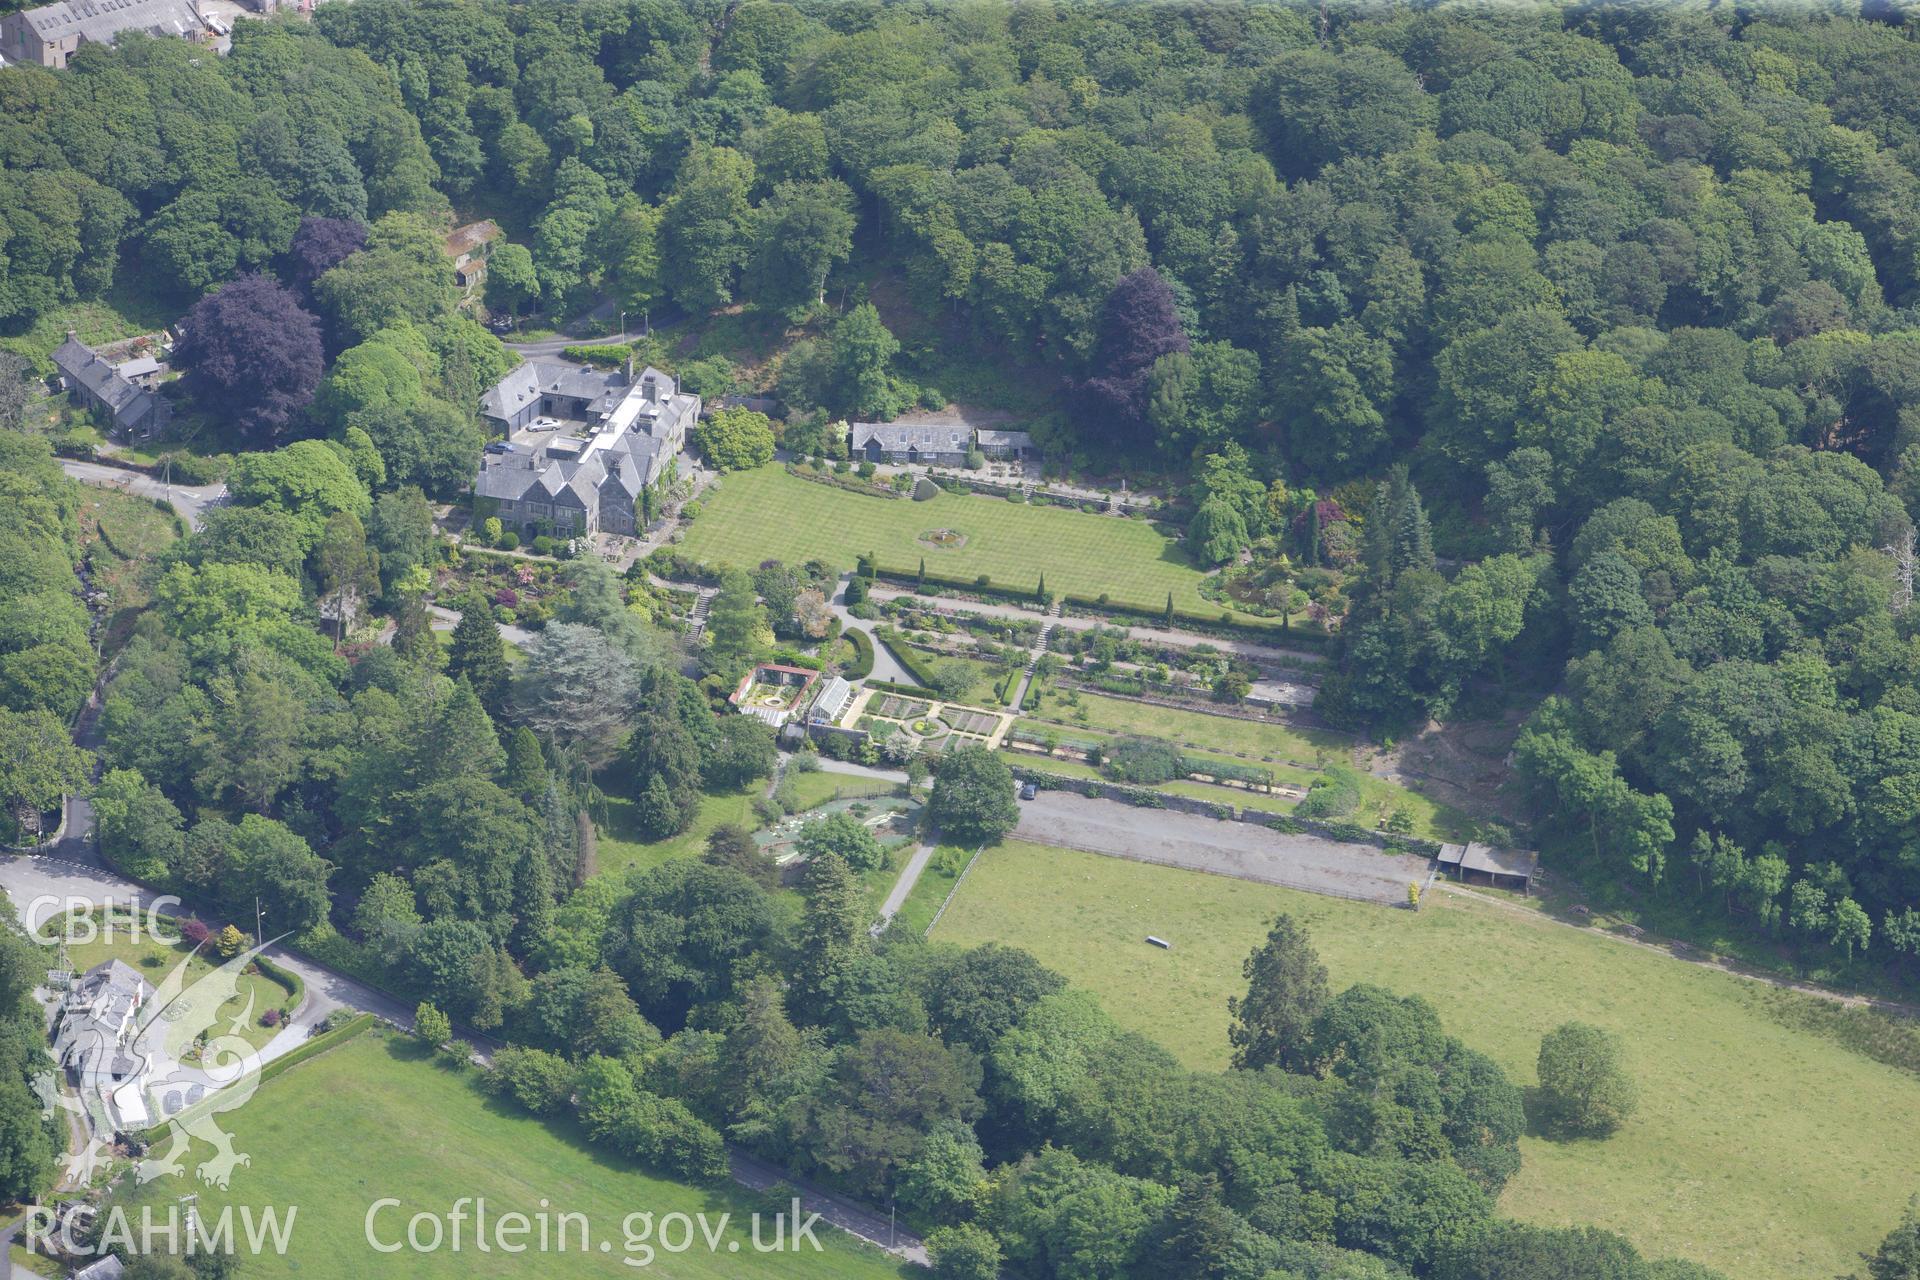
(818, 786)
(1263, 739)
(931, 889)
(767, 513)
(371, 1120)
(1766, 1152)
(621, 847)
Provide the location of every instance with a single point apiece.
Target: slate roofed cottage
(124, 394)
(940, 444)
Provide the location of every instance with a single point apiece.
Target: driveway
(26, 878)
(448, 619)
(885, 665)
(190, 500)
(603, 314)
(1242, 850)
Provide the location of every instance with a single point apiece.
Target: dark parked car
(1028, 791)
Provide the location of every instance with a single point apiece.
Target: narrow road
(191, 501)
(448, 619)
(852, 1217)
(601, 314)
(885, 665)
(909, 876)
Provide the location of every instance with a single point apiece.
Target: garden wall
(1344, 832)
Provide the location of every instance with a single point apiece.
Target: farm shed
(1498, 868)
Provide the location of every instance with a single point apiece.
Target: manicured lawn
(1763, 1151)
(818, 786)
(767, 513)
(154, 961)
(371, 1120)
(620, 845)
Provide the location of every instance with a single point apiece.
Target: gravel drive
(1243, 850)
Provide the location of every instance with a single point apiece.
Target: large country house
(619, 434)
(51, 34)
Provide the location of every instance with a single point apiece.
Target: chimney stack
(629, 366)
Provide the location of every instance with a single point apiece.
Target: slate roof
(99, 1007)
(462, 241)
(994, 438)
(99, 21)
(129, 404)
(636, 428)
(941, 437)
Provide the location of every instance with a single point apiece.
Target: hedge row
(850, 482)
(1133, 615)
(862, 665)
(319, 1044)
(913, 578)
(285, 978)
(1128, 614)
(599, 353)
(904, 654)
(910, 690)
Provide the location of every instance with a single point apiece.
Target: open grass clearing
(1761, 1150)
(813, 788)
(123, 535)
(1261, 739)
(124, 313)
(766, 513)
(621, 846)
(372, 1119)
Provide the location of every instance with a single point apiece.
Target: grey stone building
(631, 432)
(126, 394)
(51, 34)
(911, 444)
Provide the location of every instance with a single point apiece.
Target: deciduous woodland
(1549, 364)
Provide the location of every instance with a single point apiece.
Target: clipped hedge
(284, 978)
(910, 690)
(599, 353)
(862, 665)
(903, 654)
(313, 1048)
